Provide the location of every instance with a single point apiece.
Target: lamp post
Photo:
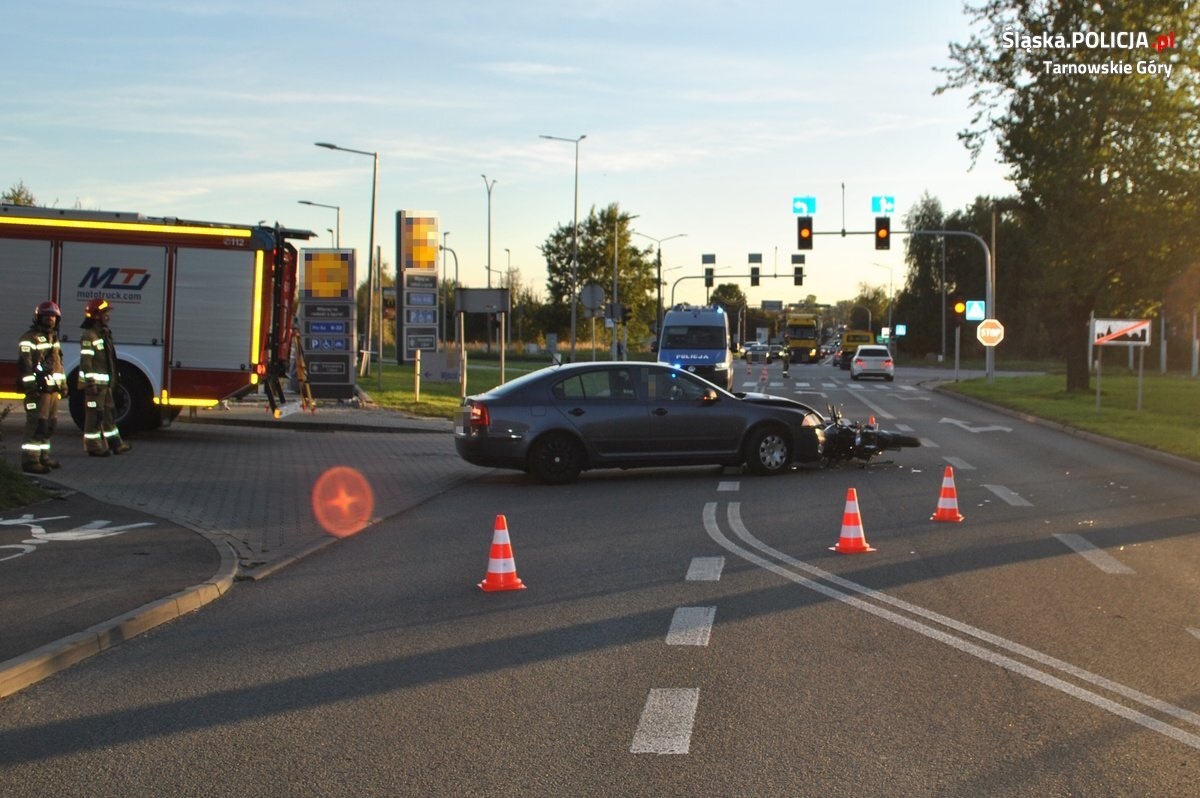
(574, 240)
(372, 266)
(489, 187)
(442, 287)
(617, 219)
(456, 309)
(337, 243)
(891, 297)
(659, 242)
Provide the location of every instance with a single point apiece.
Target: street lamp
(617, 219)
(338, 243)
(332, 240)
(372, 266)
(456, 309)
(891, 296)
(489, 187)
(659, 242)
(574, 239)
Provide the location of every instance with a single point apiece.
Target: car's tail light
(480, 418)
(887, 362)
(860, 362)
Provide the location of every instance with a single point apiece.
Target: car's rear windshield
(874, 352)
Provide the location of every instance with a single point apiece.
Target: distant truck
(803, 335)
(696, 338)
(851, 341)
(201, 312)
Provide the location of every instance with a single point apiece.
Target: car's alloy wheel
(769, 452)
(556, 459)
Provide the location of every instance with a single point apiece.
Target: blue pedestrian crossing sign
(975, 310)
(883, 204)
(804, 206)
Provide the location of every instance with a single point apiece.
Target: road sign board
(1121, 332)
(804, 206)
(883, 204)
(975, 310)
(989, 332)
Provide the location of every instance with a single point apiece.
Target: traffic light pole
(989, 300)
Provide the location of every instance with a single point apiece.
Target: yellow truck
(803, 335)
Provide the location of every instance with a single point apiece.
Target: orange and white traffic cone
(502, 569)
(947, 506)
(763, 378)
(852, 540)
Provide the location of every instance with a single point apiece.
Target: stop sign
(990, 332)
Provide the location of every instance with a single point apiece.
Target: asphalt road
(999, 656)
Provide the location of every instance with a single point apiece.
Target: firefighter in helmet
(98, 379)
(42, 382)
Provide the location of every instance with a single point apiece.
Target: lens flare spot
(342, 501)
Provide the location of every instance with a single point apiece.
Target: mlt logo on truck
(117, 284)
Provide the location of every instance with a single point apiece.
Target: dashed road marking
(666, 723)
(705, 569)
(691, 626)
(959, 463)
(1096, 556)
(1008, 495)
(924, 619)
(729, 486)
(928, 444)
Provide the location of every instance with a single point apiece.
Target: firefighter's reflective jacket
(40, 362)
(97, 357)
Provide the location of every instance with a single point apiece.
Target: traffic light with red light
(883, 232)
(804, 232)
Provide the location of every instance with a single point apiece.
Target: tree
(1105, 164)
(19, 194)
(636, 273)
(729, 296)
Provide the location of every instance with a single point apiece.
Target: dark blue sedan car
(559, 421)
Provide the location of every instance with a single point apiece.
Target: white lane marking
(1195, 632)
(1008, 495)
(904, 428)
(666, 723)
(729, 486)
(908, 387)
(1003, 661)
(959, 463)
(801, 384)
(965, 425)
(928, 444)
(1096, 556)
(879, 411)
(691, 626)
(705, 569)
(829, 385)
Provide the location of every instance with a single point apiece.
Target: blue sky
(702, 118)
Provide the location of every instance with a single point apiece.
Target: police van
(696, 339)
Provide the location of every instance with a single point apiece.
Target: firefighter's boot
(118, 446)
(35, 468)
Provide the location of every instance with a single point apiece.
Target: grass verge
(1167, 421)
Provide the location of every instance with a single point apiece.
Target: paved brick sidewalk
(236, 474)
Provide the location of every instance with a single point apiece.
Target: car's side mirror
(711, 395)
(654, 347)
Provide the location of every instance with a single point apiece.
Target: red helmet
(48, 308)
(95, 308)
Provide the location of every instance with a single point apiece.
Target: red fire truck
(201, 312)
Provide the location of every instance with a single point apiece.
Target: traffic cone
(763, 378)
(852, 540)
(947, 506)
(502, 569)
